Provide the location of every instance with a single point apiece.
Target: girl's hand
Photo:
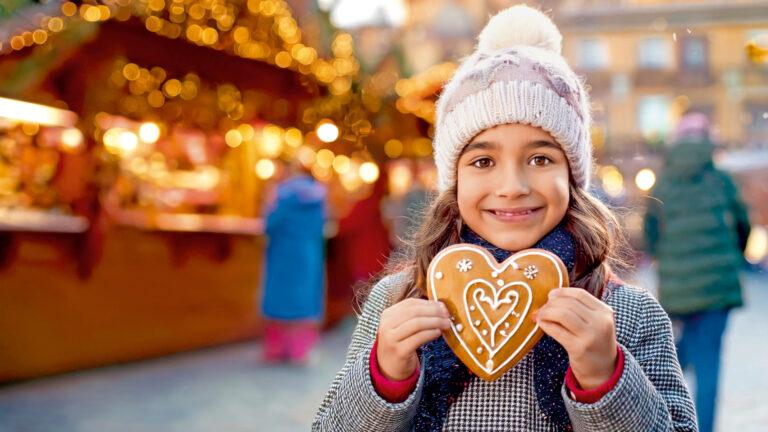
(403, 328)
(585, 327)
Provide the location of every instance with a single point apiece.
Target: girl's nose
(512, 183)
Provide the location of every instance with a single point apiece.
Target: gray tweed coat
(650, 395)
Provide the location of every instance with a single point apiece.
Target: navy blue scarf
(446, 377)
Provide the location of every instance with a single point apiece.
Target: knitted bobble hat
(516, 75)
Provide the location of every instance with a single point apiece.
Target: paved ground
(226, 389)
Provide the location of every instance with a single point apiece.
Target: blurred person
(358, 250)
(696, 228)
(294, 282)
(363, 234)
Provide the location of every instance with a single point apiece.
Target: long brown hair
(600, 242)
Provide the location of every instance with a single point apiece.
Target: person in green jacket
(696, 227)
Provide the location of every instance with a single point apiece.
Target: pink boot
(275, 342)
(303, 337)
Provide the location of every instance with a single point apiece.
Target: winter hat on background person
(693, 125)
(516, 75)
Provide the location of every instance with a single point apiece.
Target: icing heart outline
(496, 268)
(511, 310)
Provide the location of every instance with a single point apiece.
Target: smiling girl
(512, 149)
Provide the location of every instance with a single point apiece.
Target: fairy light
(233, 138)
(71, 139)
(645, 179)
(127, 141)
(271, 141)
(369, 172)
(149, 132)
(325, 158)
(393, 148)
(306, 156)
(416, 94)
(293, 137)
(327, 131)
(341, 164)
(612, 180)
(265, 169)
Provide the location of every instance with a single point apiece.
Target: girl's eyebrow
(543, 143)
(492, 145)
(481, 145)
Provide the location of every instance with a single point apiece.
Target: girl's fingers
(582, 296)
(418, 324)
(421, 307)
(413, 342)
(563, 316)
(557, 332)
(578, 308)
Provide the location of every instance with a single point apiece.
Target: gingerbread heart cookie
(491, 303)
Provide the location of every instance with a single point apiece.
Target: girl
(512, 149)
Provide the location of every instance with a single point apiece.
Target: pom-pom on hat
(516, 75)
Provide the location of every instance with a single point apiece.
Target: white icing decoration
(506, 324)
(477, 323)
(464, 265)
(459, 327)
(479, 350)
(494, 274)
(503, 333)
(485, 332)
(500, 282)
(438, 275)
(531, 271)
(489, 364)
(472, 308)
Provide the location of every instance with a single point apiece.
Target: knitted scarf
(446, 377)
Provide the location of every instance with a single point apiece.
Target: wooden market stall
(143, 236)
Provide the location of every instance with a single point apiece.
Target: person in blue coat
(294, 283)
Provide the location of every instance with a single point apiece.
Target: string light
(369, 172)
(327, 131)
(645, 179)
(71, 139)
(265, 169)
(416, 94)
(149, 132)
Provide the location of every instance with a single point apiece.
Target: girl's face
(512, 185)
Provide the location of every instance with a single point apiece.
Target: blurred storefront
(131, 187)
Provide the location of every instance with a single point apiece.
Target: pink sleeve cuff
(391, 391)
(593, 395)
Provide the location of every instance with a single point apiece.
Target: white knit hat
(516, 75)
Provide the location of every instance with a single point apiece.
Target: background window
(593, 54)
(694, 53)
(653, 116)
(654, 53)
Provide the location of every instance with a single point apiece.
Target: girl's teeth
(503, 213)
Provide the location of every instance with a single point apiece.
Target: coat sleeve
(352, 403)
(651, 394)
(739, 210)
(652, 225)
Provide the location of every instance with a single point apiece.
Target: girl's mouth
(514, 214)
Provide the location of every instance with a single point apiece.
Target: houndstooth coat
(650, 395)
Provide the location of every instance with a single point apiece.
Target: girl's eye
(540, 161)
(482, 163)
